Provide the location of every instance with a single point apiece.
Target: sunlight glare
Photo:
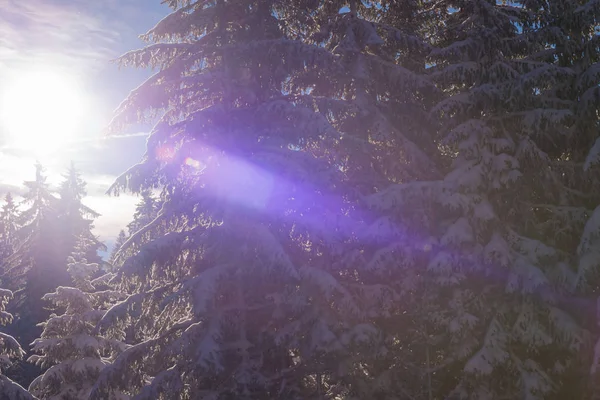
(41, 111)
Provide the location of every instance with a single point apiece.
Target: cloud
(14, 170)
(74, 36)
(12, 189)
(127, 135)
(56, 33)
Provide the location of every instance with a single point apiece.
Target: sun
(41, 110)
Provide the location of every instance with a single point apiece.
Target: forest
(338, 200)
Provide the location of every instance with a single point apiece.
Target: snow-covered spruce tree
(256, 292)
(9, 350)
(568, 32)
(380, 106)
(589, 266)
(489, 282)
(121, 238)
(75, 218)
(572, 42)
(69, 348)
(35, 268)
(8, 228)
(145, 212)
(144, 217)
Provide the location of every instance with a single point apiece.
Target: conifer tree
(10, 350)
(495, 325)
(8, 227)
(69, 348)
(121, 238)
(76, 219)
(572, 42)
(259, 165)
(35, 267)
(144, 215)
(145, 212)
(361, 200)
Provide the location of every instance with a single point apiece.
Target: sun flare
(41, 111)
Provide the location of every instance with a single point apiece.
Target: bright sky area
(58, 91)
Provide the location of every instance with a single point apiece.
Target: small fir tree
(121, 239)
(10, 350)
(69, 347)
(75, 218)
(35, 267)
(8, 229)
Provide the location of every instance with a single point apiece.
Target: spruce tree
(121, 238)
(8, 228)
(260, 159)
(10, 350)
(69, 348)
(142, 226)
(145, 212)
(35, 266)
(496, 326)
(572, 38)
(361, 200)
(76, 219)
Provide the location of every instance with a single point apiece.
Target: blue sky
(79, 37)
